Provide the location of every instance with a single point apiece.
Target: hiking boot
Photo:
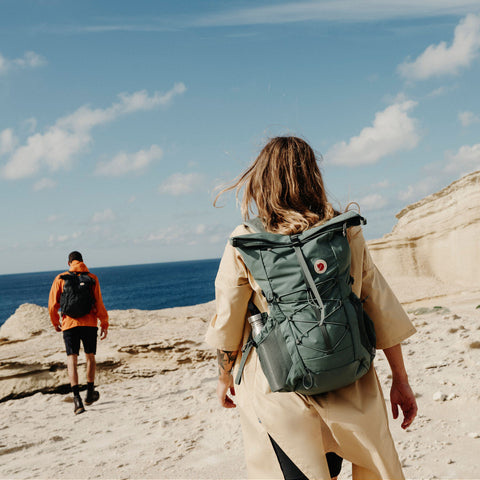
(78, 408)
(91, 397)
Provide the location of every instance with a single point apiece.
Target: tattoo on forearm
(226, 360)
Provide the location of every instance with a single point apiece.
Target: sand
(158, 417)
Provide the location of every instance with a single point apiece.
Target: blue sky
(119, 119)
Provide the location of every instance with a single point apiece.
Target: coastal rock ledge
(139, 344)
(435, 244)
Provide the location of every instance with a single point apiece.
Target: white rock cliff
(436, 239)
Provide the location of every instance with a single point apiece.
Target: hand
(225, 385)
(402, 395)
(58, 328)
(103, 333)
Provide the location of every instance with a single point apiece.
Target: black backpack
(77, 298)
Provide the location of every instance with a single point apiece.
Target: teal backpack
(316, 337)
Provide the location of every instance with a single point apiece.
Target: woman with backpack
(295, 435)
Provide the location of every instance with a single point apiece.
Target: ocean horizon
(149, 286)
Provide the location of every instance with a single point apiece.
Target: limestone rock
(439, 396)
(435, 241)
(139, 344)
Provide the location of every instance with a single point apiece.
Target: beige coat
(351, 421)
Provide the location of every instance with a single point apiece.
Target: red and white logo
(320, 266)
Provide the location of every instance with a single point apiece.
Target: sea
(146, 287)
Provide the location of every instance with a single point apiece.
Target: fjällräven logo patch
(320, 266)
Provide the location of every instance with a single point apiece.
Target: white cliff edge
(436, 242)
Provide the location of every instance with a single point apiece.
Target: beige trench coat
(351, 421)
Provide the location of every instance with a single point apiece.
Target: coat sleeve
(392, 324)
(54, 301)
(232, 293)
(101, 311)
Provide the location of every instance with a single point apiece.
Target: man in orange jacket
(77, 325)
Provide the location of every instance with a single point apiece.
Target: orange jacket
(89, 320)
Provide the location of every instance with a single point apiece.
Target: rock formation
(139, 344)
(436, 241)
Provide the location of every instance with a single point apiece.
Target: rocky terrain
(436, 242)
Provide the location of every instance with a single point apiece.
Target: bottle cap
(255, 318)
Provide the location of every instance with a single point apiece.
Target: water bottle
(256, 322)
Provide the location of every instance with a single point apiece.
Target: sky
(120, 121)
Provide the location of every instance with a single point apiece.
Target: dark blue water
(146, 287)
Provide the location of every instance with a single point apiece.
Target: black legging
(292, 472)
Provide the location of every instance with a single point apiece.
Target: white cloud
(72, 134)
(56, 239)
(374, 201)
(124, 163)
(199, 234)
(283, 13)
(441, 59)
(438, 92)
(8, 141)
(200, 229)
(141, 101)
(181, 183)
(424, 187)
(168, 235)
(392, 131)
(466, 160)
(468, 118)
(335, 10)
(29, 60)
(106, 215)
(54, 149)
(44, 184)
(381, 184)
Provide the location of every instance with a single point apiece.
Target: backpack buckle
(295, 240)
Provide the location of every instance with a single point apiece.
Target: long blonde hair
(286, 186)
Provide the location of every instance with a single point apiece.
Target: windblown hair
(286, 186)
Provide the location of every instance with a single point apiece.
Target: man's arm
(54, 304)
(226, 361)
(101, 311)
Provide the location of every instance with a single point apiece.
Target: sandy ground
(158, 418)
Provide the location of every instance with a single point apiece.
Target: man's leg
(89, 339)
(72, 346)
(92, 394)
(91, 365)
(72, 362)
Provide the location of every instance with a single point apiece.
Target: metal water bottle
(256, 322)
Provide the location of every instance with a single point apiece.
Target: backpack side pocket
(274, 358)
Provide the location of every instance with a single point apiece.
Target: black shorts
(88, 336)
